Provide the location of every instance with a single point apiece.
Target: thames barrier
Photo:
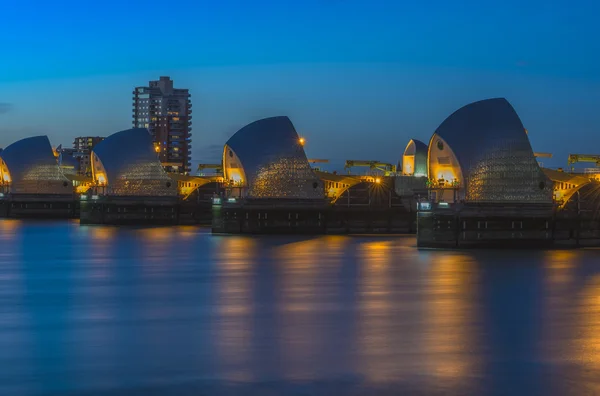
(477, 182)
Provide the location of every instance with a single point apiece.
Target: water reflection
(8, 228)
(376, 336)
(450, 336)
(123, 309)
(559, 265)
(587, 339)
(15, 323)
(302, 307)
(235, 259)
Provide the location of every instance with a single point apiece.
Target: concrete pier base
(515, 226)
(130, 210)
(477, 225)
(277, 217)
(39, 206)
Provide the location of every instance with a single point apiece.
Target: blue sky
(358, 78)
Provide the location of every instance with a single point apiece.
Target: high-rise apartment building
(167, 113)
(86, 143)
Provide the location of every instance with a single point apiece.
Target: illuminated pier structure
(271, 188)
(476, 182)
(128, 184)
(32, 183)
(485, 187)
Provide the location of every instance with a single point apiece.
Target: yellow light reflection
(451, 296)
(559, 266)
(587, 333)
(559, 282)
(157, 234)
(102, 234)
(9, 226)
(235, 257)
(99, 256)
(187, 232)
(157, 250)
(376, 312)
(301, 265)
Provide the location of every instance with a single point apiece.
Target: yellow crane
(217, 167)
(385, 167)
(575, 158)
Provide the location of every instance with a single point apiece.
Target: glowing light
(425, 205)
(235, 174)
(101, 179)
(157, 149)
(82, 189)
(302, 141)
(378, 180)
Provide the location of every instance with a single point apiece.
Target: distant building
(83, 146)
(86, 143)
(166, 113)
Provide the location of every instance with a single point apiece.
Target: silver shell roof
(420, 153)
(494, 153)
(33, 168)
(131, 165)
(274, 161)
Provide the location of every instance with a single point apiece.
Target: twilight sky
(358, 78)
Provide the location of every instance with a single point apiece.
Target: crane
(385, 167)
(542, 155)
(575, 158)
(217, 167)
(318, 161)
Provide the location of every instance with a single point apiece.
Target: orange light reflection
(235, 257)
(301, 263)
(375, 338)
(451, 296)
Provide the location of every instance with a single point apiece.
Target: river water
(89, 310)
